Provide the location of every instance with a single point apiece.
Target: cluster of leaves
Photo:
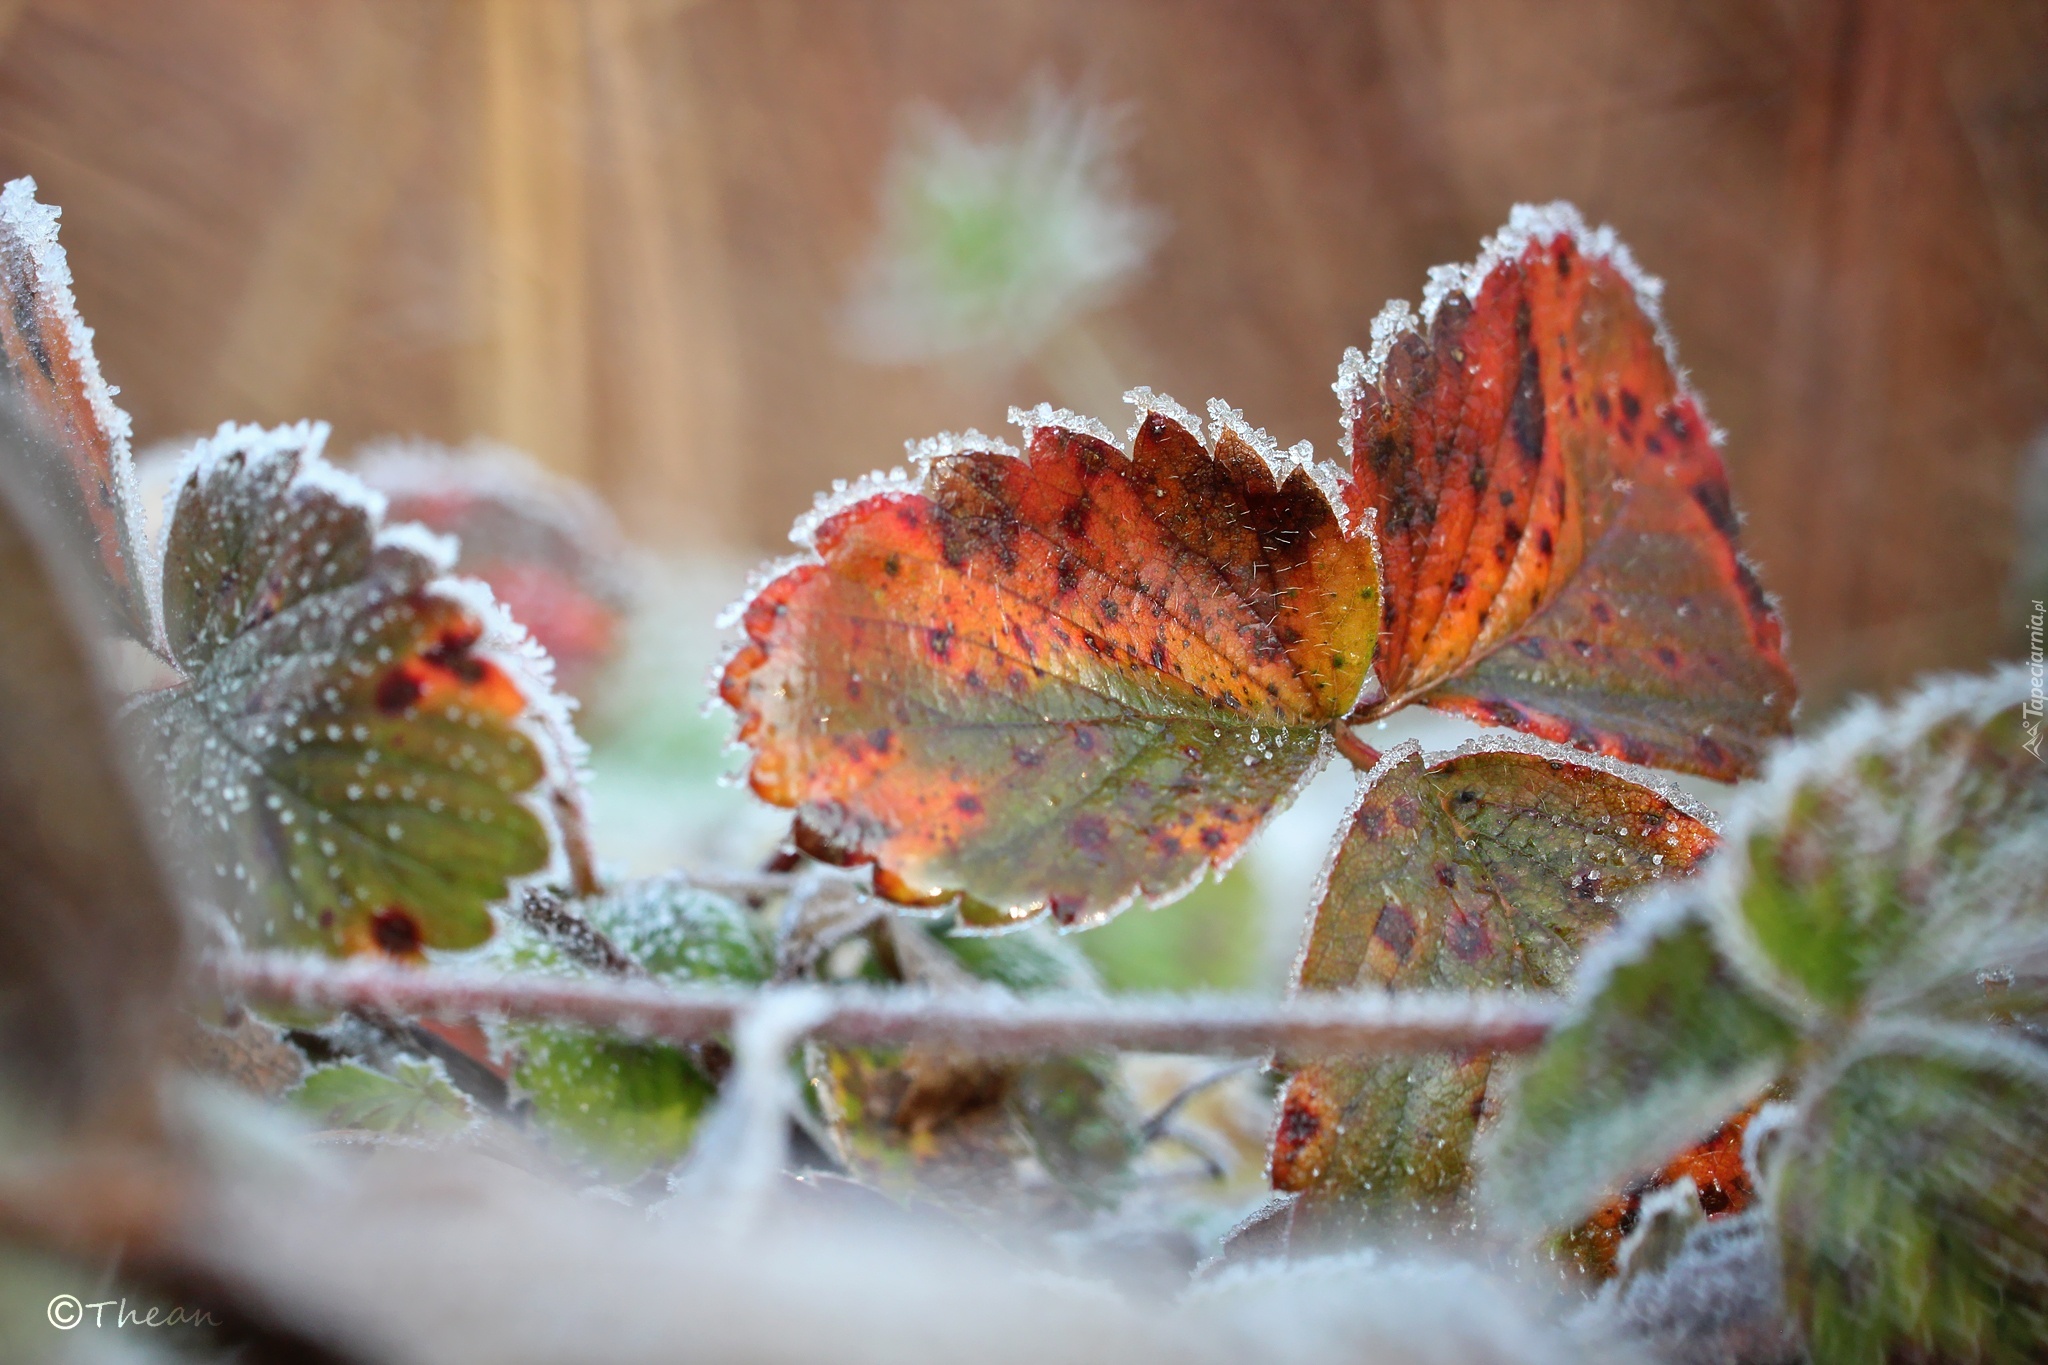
(1052, 682)
(1872, 945)
(1058, 680)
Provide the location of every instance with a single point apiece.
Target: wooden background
(620, 233)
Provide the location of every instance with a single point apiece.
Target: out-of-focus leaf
(1488, 868)
(549, 549)
(414, 1099)
(1559, 542)
(83, 474)
(1060, 680)
(1912, 1202)
(364, 751)
(1665, 1040)
(90, 939)
(970, 1130)
(1905, 847)
(630, 1106)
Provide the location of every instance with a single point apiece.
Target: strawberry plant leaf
(548, 548)
(629, 1106)
(1664, 1041)
(1912, 1203)
(47, 350)
(414, 1099)
(1061, 679)
(1559, 546)
(1487, 868)
(364, 753)
(1904, 849)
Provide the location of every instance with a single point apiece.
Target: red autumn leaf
(1060, 679)
(47, 350)
(1558, 540)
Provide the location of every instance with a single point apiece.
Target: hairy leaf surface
(1559, 545)
(90, 483)
(1488, 868)
(1912, 1202)
(1059, 680)
(1666, 1039)
(363, 750)
(1902, 851)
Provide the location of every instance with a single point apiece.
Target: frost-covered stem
(547, 914)
(989, 1022)
(1362, 756)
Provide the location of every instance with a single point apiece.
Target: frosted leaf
(1901, 849)
(413, 1099)
(1488, 868)
(1912, 1200)
(364, 753)
(620, 1106)
(992, 244)
(88, 479)
(1131, 654)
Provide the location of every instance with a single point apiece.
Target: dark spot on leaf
(1667, 656)
(1584, 648)
(967, 803)
(1371, 822)
(1544, 544)
(1507, 498)
(1654, 444)
(1211, 837)
(1532, 648)
(893, 565)
(1159, 654)
(1298, 1127)
(397, 691)
(1712, 496)
(1069, 574)
(1084, 740)
(450, 652)
(1467, 936)
(1458, 581)
(1605, 408)
(1446, 875)
(940, 639)
(1110, 611)
(1601, 613)
(1090, 834)
(1631, 406)
(880, 740)
(1026, 758)
(395, 932)
(1074, 521)
(1065, 908)
(1395, 927)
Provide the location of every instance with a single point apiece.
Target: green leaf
(630, 1106)
(363, 753)
(415, 1099)
(1488, 868)
(1663, 1041)
(1903, 847)
(1912, 1202)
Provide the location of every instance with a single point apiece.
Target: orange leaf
(1060, 679)
(1559, 543)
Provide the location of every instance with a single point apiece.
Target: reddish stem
(1362, 755)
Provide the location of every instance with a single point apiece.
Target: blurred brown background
(620, 232)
